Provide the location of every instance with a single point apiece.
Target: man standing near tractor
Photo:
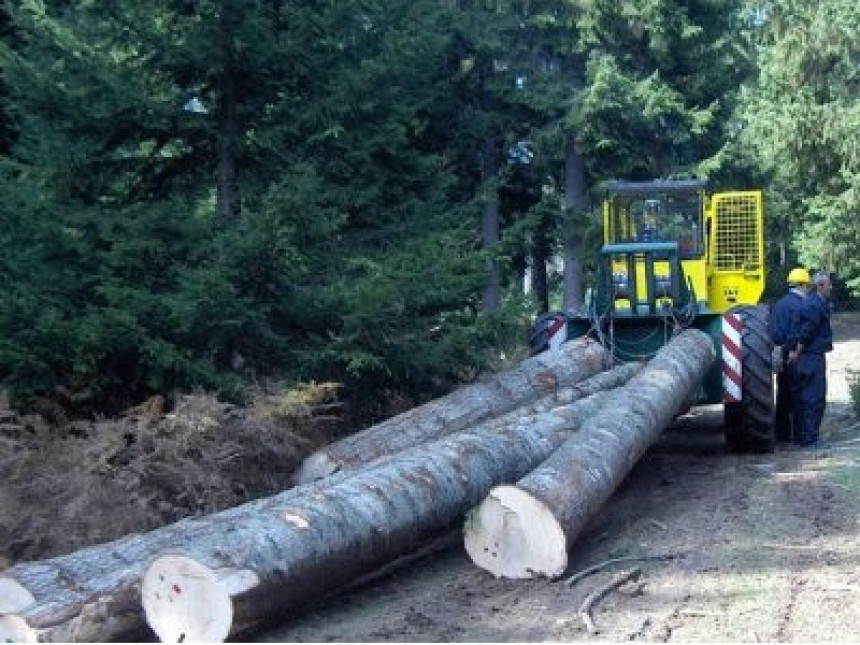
(807, 363)
(784, 328)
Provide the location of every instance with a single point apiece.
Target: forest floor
(767, 548)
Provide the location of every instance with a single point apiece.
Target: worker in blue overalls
(807, 363)
(784, 326)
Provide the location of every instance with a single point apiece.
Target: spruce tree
(212, 190)
(801, 118)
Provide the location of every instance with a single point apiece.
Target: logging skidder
(675, 255)
(527, 530)
(466, 406)
(275, 561)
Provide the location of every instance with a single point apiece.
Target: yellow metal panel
(696, 272)
(735, 249)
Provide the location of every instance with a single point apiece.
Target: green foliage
(352, 257)
(623, 111)
(662, 78)
(802, 119)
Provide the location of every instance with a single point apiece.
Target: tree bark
(93, 594)
(258, 566)
(538, 250)
(574, 198)
(492, 295)
(86, 596)
(226, 182)
(522, 384)
(228, 135)
(526, 530)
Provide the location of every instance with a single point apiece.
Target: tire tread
(750, 423)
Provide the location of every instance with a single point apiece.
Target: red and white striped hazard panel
(557, 332)
(732, 358)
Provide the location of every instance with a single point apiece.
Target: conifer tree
(802, 119)
(214, 187)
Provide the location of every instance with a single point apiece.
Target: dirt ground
(765, 548)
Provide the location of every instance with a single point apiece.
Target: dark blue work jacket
(785, 320)
(815, 332)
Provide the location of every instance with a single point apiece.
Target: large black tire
(750, 423)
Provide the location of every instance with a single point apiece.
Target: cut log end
(184, 601)
(14, 597)
(513, 535)
(14, 629)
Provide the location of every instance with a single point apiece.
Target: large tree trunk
(574, 198)
(89, 595)
(258, 566)
(226, 181)
(522, 384)
(492, 294)
(539, 250)
(93, 594)
(228, 135)
(526, 530)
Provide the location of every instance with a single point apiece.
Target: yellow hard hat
(799, 276)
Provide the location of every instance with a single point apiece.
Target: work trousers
(808, 378)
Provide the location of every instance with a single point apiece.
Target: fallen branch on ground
(576, 577)
(592, 598)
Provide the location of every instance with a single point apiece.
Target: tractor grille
(737, 244)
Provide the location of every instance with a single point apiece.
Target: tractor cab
(652, 231)
(638, 215)
(670, 247)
